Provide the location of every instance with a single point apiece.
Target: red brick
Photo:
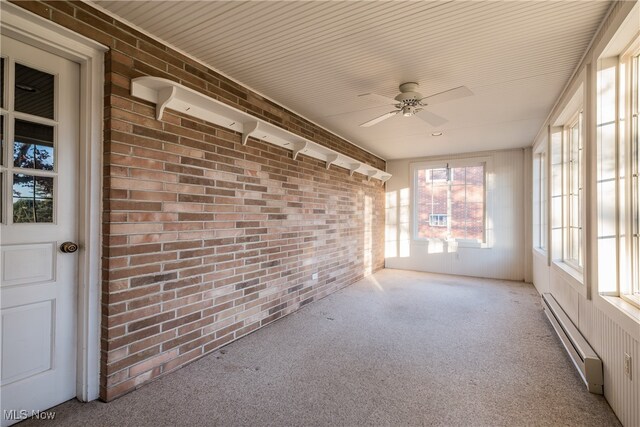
(182, 197)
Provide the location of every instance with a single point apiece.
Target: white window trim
(457, 162)
(625, 284)
(543, 146)
(558, 249)
(567, 184)
(623, 313)
(542, 190)
(437, 223)
(29, 28)
(543, 199)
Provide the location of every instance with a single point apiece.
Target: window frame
(629, 283)
(438, 222)
(625, 143)
(487, 163)
(541, 200)
(568, 166)
(558, 186)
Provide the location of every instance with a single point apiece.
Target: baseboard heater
(584, 358)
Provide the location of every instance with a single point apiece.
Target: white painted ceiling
(316, 57)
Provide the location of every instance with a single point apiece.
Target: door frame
(32, 29)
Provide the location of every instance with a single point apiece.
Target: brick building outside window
(450, 202)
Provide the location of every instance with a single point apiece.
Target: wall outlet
(627, 365)
(314, 276)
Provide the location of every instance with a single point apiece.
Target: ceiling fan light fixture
(409, 102)
(408, 111)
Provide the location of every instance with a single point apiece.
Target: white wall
(610, 332)
(505, 199)
(608, 324)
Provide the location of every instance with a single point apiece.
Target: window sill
(623, 313)
(634, 300)
(470, 244)
(571, 276)
(540, 251)
(454, 243)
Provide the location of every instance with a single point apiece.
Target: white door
(39, 172)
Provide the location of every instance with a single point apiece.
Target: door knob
(69, 247)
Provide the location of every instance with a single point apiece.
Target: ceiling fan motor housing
(408, 95)
(410, 102)
(409, 87)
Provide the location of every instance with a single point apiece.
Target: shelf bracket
(164, 93)
(331, 158)
(298, 147)
(385, 178)
(371, 174)
(165, 96)
(249, 128)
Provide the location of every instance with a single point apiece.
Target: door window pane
(1, 197)
(32, 198)
(33, 146)
(1, 82)
(2, 140)
(34, 92)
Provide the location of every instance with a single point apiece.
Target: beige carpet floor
(398, 348)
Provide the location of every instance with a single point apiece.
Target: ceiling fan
(410, 102)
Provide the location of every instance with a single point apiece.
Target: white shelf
(167, 94)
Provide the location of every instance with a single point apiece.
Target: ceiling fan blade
(379, 119)
(431, 118)
(447, 95)
(376, 97)
(377, 107)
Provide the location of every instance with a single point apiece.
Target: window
(438, 220)
(633, 291)
(566, 158)
(618, 167)
(574, 170)
(540, 201)
(397, 237)
(450, 201)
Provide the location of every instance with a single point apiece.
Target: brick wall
(205, 240)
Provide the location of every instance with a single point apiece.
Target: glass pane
(2, 140)
(34, 92)
(607, 220)
(1, 82)
(437, 174)
(574, 210)
(33, 146)
(556, 214)
(475, 221)
(575, 244)
(556, 180)
(475, 175)
(458, 176)
(32, 198)
(607, 152)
